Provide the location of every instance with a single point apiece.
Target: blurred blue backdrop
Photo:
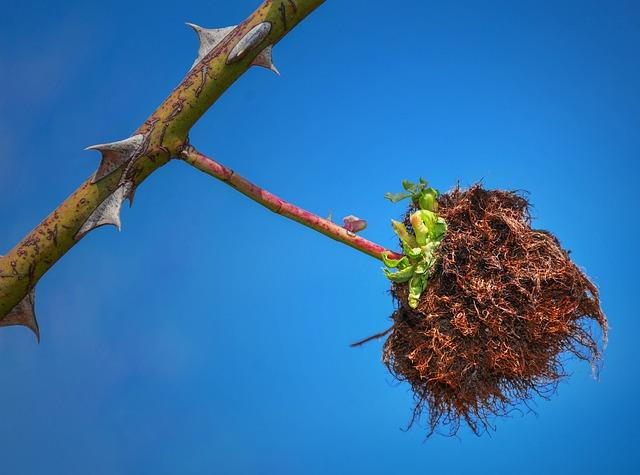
(190, 343)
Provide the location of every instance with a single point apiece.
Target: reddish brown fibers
(504, 304)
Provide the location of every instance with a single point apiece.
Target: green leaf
(430, 247)
(439, 229)
(411, 251)
(430, 220)
(393, 263)
(409, 186)
(395, 197)
(428, 217)
(402, 232)
(429, 250)
(427, 202)
(388, 261)
(417, 284)
(401, 276)
(419, 227)
(421, 268)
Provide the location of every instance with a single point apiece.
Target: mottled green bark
(166, 133)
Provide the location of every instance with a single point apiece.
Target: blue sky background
(190, 343)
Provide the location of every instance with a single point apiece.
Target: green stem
(282, 207)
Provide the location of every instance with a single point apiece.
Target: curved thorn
(131, 195)
(265, 60)
(23, 314)
(108, 212)
(195, 27)
(209, 39)
(115, 155)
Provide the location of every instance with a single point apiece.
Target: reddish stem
(282, 207)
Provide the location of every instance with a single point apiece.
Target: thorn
(23, 314)
(248, 42)
(353, 224)
(108, 212)
(115, 154)
(209, 39)
(131, 195)
(265, 60)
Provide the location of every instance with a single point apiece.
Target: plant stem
(165, 133)
(280, 206)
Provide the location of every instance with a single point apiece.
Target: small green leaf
(438, 229)
(393, 263)
(430, 247)
(417, 284)
(428, 217)
(388, 261)
(409, 186)
(401, 276)
(396, 197)
(411, 251)
(427, 201)
(421, 268)
(429, 250)
(402, 232)
(419, 228)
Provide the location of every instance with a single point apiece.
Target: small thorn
(23, 314)
(254, 37)
(353, 224)
(131, 195)
(265, 60)
(108, 212)
(209, 39)
(116, 154)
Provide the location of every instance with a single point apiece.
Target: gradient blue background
(191, 343)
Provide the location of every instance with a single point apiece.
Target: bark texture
(224, 55)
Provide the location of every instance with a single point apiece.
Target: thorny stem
(165, 133)
(280, 206)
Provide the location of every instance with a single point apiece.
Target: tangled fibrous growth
(502, 306)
